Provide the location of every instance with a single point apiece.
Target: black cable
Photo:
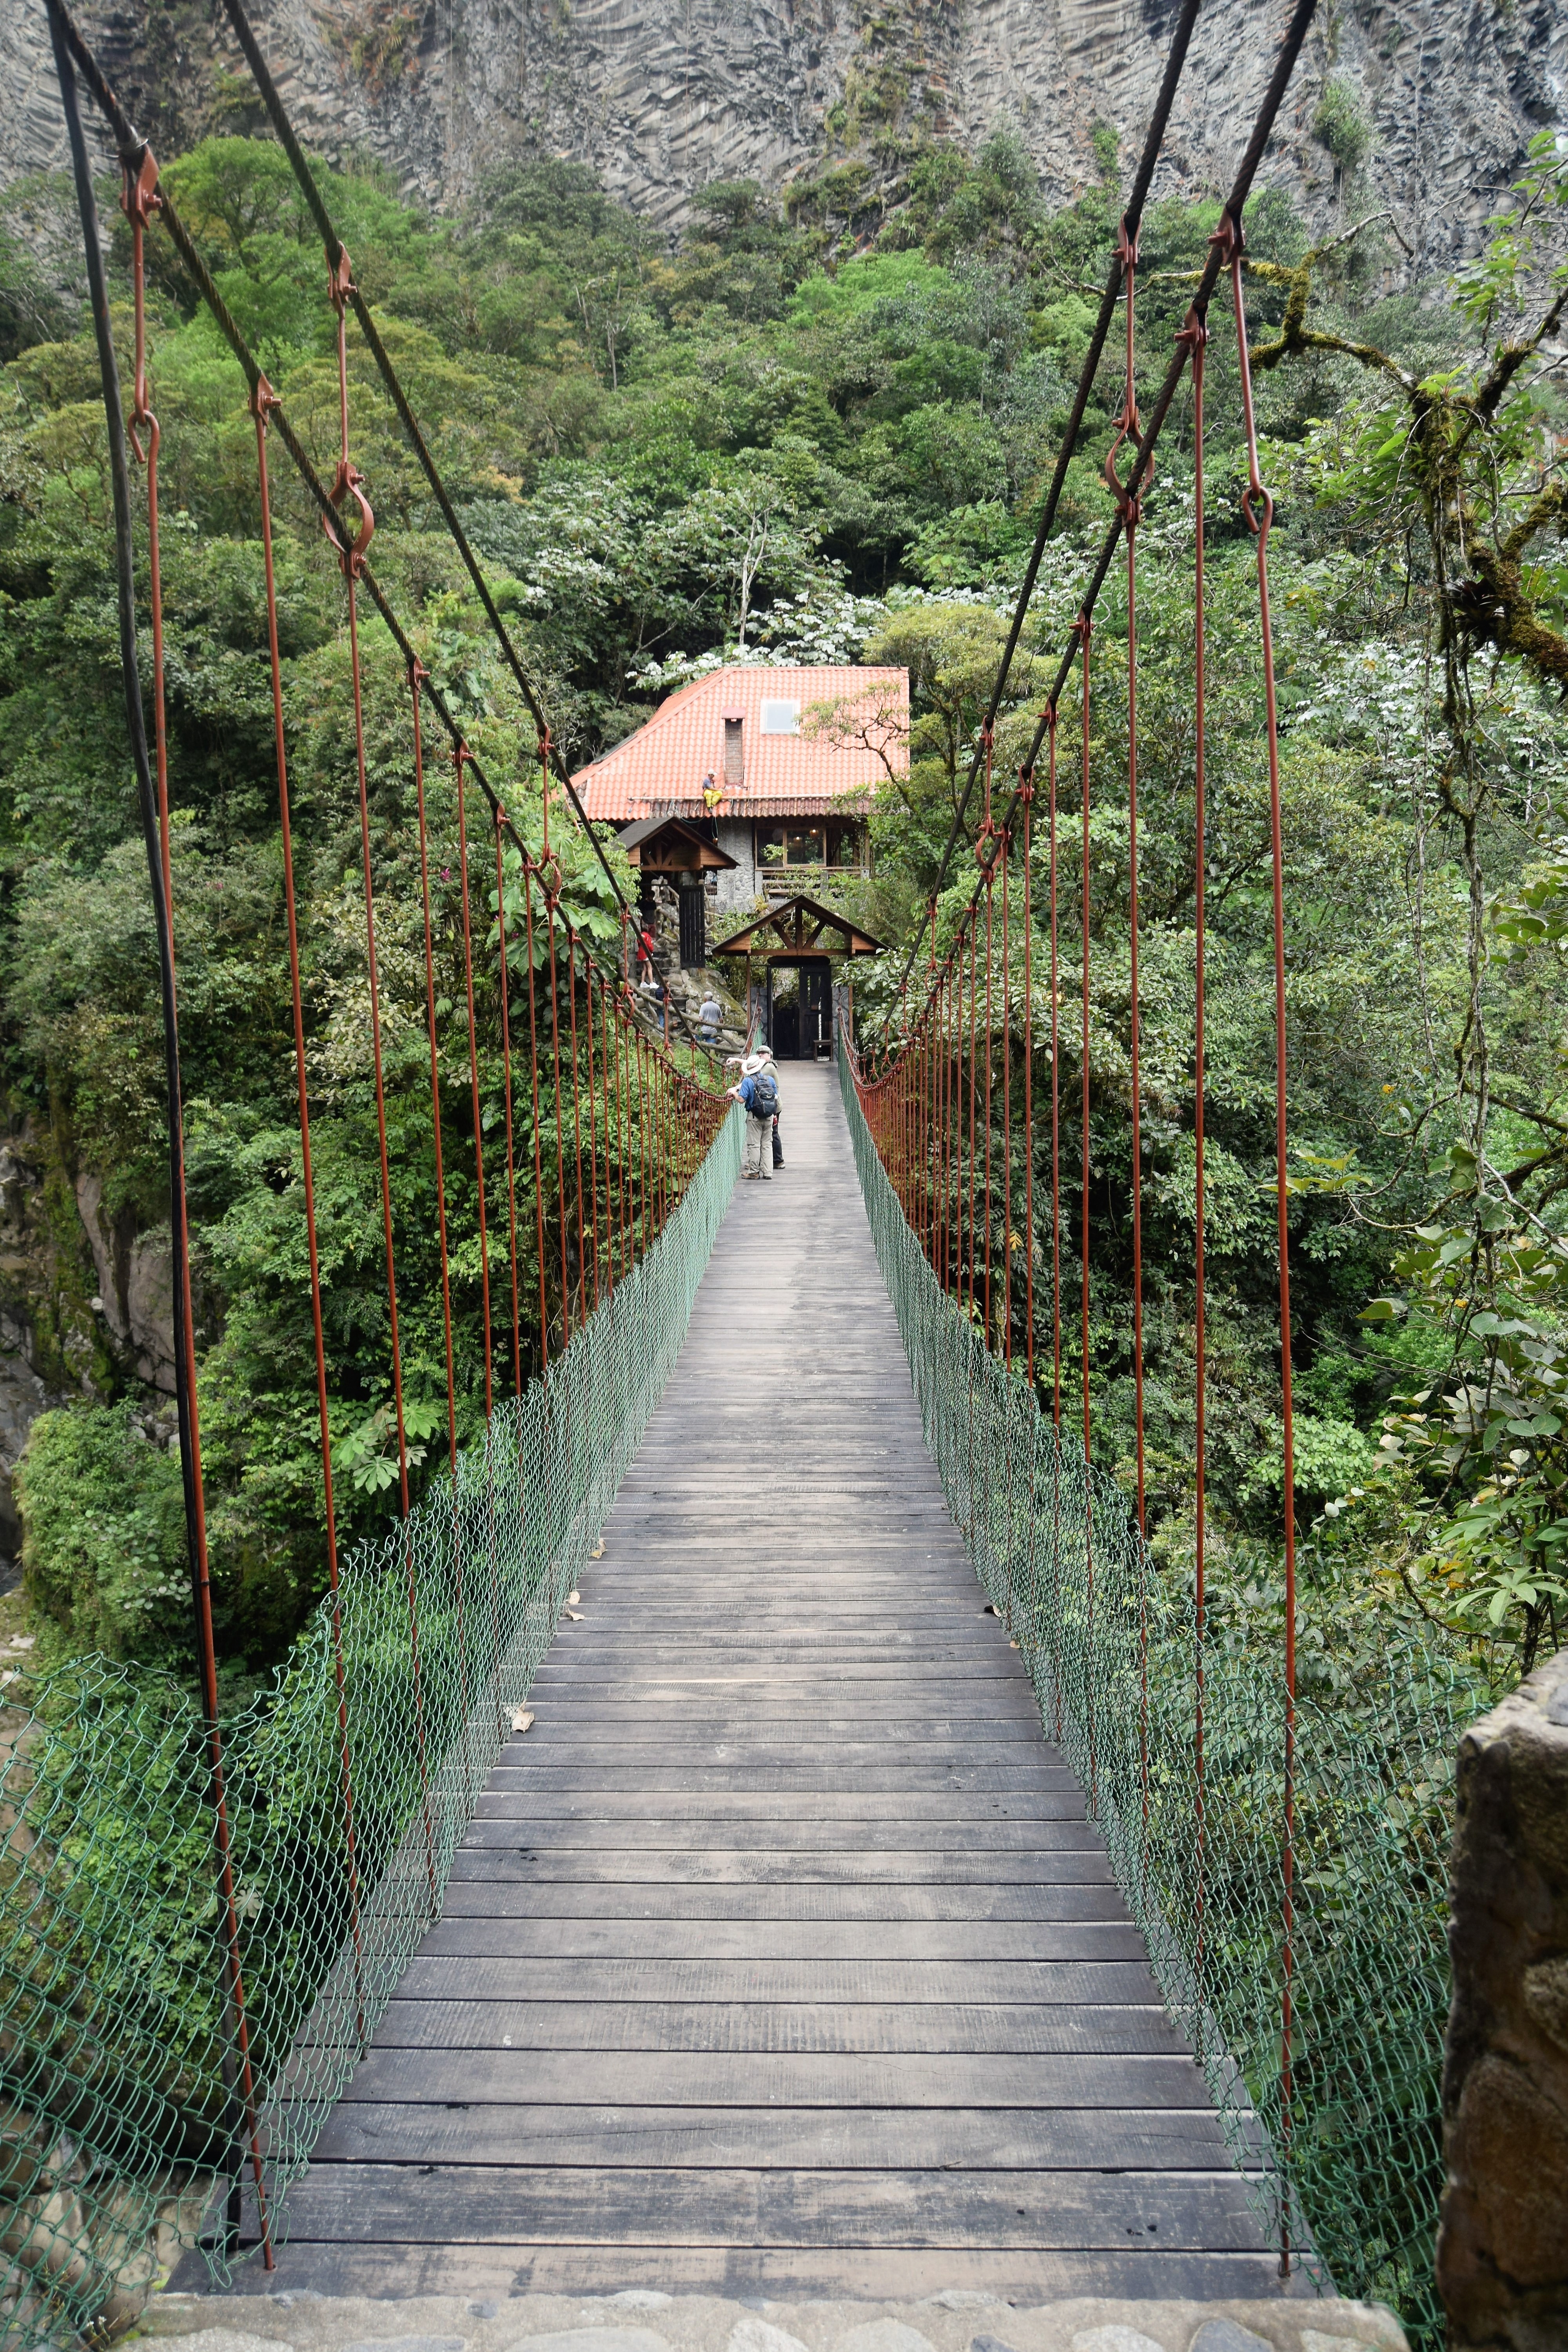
(1131, 220)
(132, 149)
(279, 117)
(146, 796)
(1241, 188)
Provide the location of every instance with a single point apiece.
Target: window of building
(792, 844)
(836, 842)
(780, 719)
(734, 762)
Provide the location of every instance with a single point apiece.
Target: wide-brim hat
(753, 1063)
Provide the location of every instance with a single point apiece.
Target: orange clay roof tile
(660, 769)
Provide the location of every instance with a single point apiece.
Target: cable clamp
(340, 279)
(139, 197)
(263, 400)
(1192, 334)
(351, 554)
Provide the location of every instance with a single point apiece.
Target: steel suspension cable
(460, 760)
(1259, 507)
(504, 968)
(1130, 510)
(1006, 1119)
(1086, 630)
(1154, 139)
(1198, 334)
(336, 255)
(1055, 1107)
(259, 408)
(136, 158)
(577, 1125)
(1028, 798)
(1137, 480)
(238, 2075)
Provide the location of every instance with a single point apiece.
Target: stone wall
(738, 885)
(661, 97)
(1502, 2254)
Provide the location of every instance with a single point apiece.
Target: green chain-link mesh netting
(120, 2125)
(1355, 2172)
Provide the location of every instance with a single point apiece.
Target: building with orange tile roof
(781, 763)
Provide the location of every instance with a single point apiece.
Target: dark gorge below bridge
(782, 1954)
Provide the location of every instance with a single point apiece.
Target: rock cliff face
(661, 96)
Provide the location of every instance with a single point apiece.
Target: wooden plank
(749, 1806)
(983, 1779)
(382, 2269)
(1017, 1766)
(760, 2027)
(714, 2077)
(527, 1937)
(523, 2204)
(666, 1866)
(786, 1832)
(880, 1982)
(477, 1890)
(996, 2138)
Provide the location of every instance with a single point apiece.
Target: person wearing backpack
(758, 1094)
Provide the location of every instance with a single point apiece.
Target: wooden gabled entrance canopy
(662, 845)
(797, 928)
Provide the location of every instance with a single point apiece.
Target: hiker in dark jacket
(758, 1095)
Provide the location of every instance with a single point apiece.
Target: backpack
(765, 1096)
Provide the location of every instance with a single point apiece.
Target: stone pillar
(1502, 2250)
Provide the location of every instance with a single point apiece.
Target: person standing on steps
(758, 1094)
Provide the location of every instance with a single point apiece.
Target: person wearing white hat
(758, 1092)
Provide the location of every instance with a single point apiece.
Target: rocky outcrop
(661, 97)
(1502, 2254)
(135, 1287)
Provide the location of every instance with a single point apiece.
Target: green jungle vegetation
(799, 435)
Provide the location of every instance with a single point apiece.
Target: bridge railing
(130, 2115)
(1180, 1745)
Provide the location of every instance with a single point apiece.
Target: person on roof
(758, 1095)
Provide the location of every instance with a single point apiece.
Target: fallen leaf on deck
(598, 1552)
(575, 1615)
(521, 1720)
(573, 1598)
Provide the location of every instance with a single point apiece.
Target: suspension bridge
(780, 1952)
(758, 1813)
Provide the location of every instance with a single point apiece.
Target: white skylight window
(780, 719)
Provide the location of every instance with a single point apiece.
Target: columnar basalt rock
(661, 97)
(1502, 2254)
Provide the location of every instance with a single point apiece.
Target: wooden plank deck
(781, 1957)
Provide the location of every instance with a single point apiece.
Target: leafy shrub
(104, 1545)
(1342, 127)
